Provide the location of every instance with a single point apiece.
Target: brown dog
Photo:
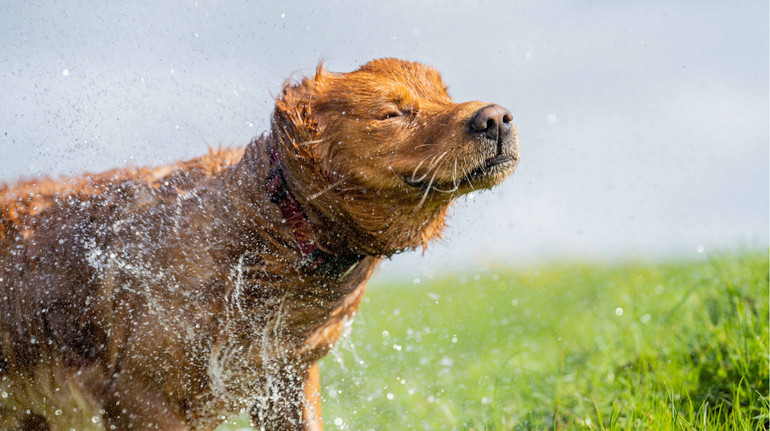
(171, 298)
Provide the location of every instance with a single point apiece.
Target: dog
(173, 297)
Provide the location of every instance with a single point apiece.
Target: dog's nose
(493, 121)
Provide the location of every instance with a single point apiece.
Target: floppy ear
(293, 117)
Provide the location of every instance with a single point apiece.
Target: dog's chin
(492, 172)
(487, 175)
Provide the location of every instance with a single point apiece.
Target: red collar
(312, 257)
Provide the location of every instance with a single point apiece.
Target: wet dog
(172, 297)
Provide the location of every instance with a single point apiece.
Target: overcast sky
(643, 125)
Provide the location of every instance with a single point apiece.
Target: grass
(622, 347)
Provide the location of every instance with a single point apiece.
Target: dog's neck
(314, 258)
(343, 218)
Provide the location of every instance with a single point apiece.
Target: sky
(643, 125)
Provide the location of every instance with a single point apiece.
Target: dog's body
(170, 298)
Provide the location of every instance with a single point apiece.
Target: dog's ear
(293, 117)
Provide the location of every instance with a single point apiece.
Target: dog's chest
(265, 327)
(296, 305)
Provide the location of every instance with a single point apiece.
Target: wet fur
(165, 298)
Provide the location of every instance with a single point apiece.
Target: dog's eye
(397, 113)
(391, 114)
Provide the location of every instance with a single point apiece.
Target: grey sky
(644, 125)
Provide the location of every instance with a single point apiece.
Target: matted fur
(170, 297)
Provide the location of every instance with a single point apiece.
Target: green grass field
(624, 346)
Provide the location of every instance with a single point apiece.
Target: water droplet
(417, 281)
(65, 72)
(700, 249)
(619, 311)
(58, 412)
(390, 396)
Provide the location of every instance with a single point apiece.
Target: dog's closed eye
(395, 113)
(391, 114)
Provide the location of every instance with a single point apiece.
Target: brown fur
(167, 298)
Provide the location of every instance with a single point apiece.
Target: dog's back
(58, 342)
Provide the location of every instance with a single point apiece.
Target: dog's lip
(488, 166)
(499, 159)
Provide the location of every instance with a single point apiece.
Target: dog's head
(391, 126)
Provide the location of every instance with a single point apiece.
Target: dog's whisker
(454, 175)
(433, 159)
(439, 158)
(452, 190)
(416, 168)
(325, 190)
(312, 141)
(427, 190)
(455, 183)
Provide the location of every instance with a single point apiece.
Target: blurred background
(644, 125)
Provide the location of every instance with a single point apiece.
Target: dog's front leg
(291, 402)
(312, 407)
(133, 405)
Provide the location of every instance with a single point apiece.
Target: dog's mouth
(491, 165)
